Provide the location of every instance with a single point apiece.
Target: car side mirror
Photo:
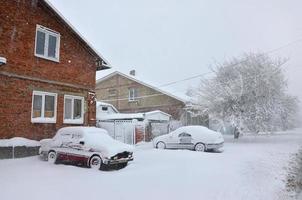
(82, 142)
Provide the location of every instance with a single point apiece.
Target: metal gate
(159, 128)
(124, 131)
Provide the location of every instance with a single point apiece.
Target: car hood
(105, 144)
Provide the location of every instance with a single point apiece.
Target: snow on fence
(159, 128)
(127, 131)
(18, 148)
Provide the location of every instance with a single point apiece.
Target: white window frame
(132, 98)
(73, 121)
(48, 32)
(43, 119)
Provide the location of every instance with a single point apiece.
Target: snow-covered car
(87, 146)
(196, 138)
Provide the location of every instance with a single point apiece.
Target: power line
(186, 79)
(243, 61)
(203, 74)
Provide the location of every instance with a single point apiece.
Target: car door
(172, 141)
(76, 151)
(185, 141)
(62, 142)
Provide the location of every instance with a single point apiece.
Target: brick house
(49, 79)
(130, 95)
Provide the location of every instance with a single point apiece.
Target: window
(133, 94)
(73, 109)
(185, 138)
(104, 108)
(44, 107)
(47, 43)
(184, 135)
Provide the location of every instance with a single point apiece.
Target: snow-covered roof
(119, 116)
(105, 63)
(156, 115)
(108, 74)
(100, 103)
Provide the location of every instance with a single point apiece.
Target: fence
(18, 152)
(127, 131)
(159, 128)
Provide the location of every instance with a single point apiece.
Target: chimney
(132, 72)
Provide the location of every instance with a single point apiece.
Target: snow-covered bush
(250, 93)
(294, 177)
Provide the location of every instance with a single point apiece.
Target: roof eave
(77, 33)
(140, 82)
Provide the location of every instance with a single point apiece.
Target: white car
(88, 146)
(196, 138)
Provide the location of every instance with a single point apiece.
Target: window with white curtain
(73, 109)
(44, 107)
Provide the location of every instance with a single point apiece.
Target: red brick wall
(18, 20)
(16, 104)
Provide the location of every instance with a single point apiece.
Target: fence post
(13, 152)
(144, 128)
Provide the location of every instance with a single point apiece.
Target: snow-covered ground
(254, 167)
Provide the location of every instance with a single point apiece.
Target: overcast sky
(166, 40)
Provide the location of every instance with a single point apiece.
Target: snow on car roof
(98, 139)
(196, 129)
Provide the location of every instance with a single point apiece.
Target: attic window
(47, 43)
(133, 94)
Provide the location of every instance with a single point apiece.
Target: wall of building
(16, 105)
(74, 74)
(157, 101)
(18, 20)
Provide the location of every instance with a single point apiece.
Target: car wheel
(52, 157)
(200, 147)
(95, 162)
(160, 145)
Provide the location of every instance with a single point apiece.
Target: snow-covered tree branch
(249, 92)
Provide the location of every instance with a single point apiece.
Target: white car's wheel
(200, 147)
(161, 145)
(52, 157)
(95, 162)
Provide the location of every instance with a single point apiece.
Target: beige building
(130, 95)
